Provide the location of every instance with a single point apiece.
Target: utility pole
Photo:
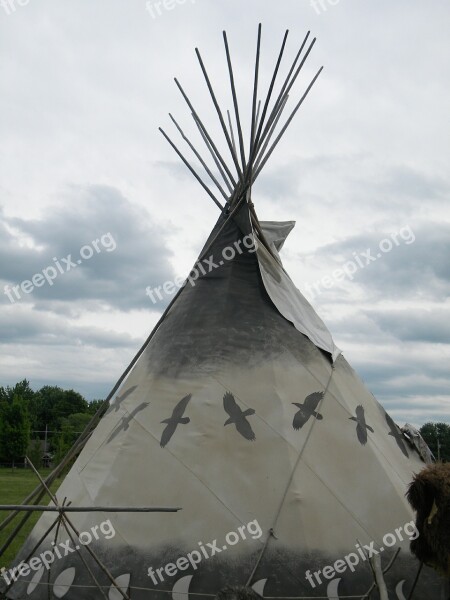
(438, 443)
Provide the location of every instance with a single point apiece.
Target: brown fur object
(429, 495)
(237, 593)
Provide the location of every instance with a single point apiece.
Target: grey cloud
(418, 325)
(50, 330)
(176, 169)
(404, 181)
(282, 183)
(412, 269)
(396, 384)
(399, 357)
(116, 277)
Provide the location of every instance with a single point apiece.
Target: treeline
(26, 414)
(437, 436)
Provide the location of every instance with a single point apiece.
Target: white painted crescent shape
(399, 590)
(123, 581)
(35, 580)
(63, 582)
(332, 589)
(259, 586)
(180, 590)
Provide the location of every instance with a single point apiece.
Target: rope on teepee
(271, 531)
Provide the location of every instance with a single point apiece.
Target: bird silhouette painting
(396, 434)
(361, 427)
(124, 423)
(119, 399)
(238, 417)
(307, 410)
(175, 420)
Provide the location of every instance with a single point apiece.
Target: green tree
(437, 435)
(23, 390)
(34, 452)
(71, 427)
(61, 412)
(94, 406)
(14, 430)
(53, 404)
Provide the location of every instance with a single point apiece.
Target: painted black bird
(361, 427)
(396, 434)
(175, 420)
(307, 410)
(119, 399)
(238, 417)
(124, 423)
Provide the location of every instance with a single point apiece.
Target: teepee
(240, 411)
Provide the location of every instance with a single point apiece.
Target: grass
(15, 485)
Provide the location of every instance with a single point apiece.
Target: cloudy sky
(363, 170)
